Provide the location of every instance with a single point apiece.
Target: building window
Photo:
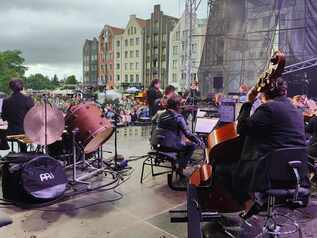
(174, 77)
(126, 66)
(131, 66)
(118, 66)
(134, 30)
(136, 66)
(183, 45)
(131, 78)
(118, 43)
(126, 42)
(164, 37)
(137, 78)
(175, 50)
(178, 35)
(118, 77)
(137, 41)
(110, 66)
(137, 53)
(164, 51)
(266, 22)
(126, 78)
(118, 55)
(126, 54)
(131, 53)
(131, 41)
(174, 64)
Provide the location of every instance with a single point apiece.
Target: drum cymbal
(34, 124)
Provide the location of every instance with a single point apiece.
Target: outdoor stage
(141, 213)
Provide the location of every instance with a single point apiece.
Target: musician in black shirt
(14, 109)
(275, 124)
(153, 94)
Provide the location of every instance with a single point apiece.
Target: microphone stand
(116, 158)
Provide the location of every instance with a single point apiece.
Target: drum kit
(75, 138)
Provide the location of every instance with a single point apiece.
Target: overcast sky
(51, 33)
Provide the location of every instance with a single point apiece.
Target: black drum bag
(32, 178)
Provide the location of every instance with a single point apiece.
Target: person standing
(153, 94)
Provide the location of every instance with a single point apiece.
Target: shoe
(255, 209)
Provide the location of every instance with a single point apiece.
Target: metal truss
(294, 68)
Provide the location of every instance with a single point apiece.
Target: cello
(228, 133)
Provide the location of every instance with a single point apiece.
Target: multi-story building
(179, 53)
(128, 54)
(156, 47)
(106, 54)
(90, 62)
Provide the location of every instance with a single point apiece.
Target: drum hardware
(117, 157)
(94, 171)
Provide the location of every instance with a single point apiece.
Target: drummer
(14, 109)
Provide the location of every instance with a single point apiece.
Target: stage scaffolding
(242, 35)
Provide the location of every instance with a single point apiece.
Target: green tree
(11, 65)
(55, 80)
(71, 80)
(39, 82)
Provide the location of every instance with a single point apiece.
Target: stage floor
(141, 213)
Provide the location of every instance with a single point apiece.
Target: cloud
(52, 32)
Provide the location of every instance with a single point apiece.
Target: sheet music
(206, 125)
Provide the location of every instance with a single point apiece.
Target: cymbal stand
(45, 99)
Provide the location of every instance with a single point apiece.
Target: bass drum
(94, 128)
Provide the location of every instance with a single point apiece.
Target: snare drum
(94, 128)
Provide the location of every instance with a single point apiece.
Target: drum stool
(159, 159)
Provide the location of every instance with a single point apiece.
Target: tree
(71, 80)
(11, 65)
(55, 81)
(39, 82)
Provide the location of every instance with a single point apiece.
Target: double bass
(224, 148)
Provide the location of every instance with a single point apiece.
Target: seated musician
(274, 125)
(168, 133)
(14, 109)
